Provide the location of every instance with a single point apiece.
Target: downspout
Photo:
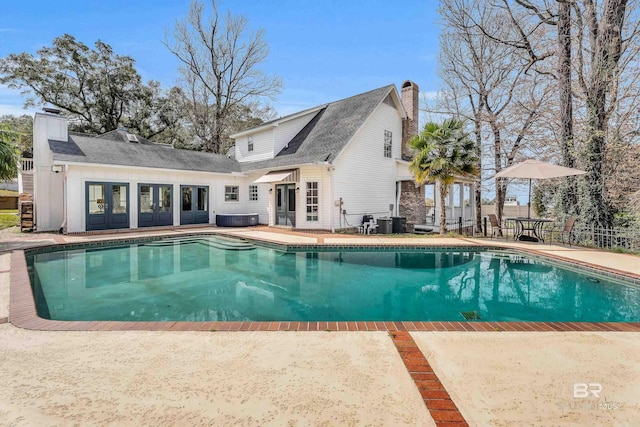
(398, 195)
(331, 201)
(64, 201)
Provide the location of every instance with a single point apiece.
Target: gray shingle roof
(321, 140)
(327, 133)
(111, 151)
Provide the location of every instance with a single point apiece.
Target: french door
(155, 205)
(194, 204)
(286, 204)
(107, 205)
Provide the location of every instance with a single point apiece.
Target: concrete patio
(312, 378)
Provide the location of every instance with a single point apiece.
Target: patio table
(525, 227)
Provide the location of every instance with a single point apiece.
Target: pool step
(213, 242)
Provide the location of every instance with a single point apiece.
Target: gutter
(105, 165)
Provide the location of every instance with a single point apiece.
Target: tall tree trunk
(501, 187)
(443, 211)
(478, 184)
(594, 207)
(567, 202)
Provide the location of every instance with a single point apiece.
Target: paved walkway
(316, 378)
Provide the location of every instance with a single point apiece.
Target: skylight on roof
(132, 138)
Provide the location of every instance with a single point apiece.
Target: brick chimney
(411, 204)
(409, 95)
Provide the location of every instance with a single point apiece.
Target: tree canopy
(22, 128)
(220, 72)
(98, 89)
(443, 152)
(8, 153)
(580, 59)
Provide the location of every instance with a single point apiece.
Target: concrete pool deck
(314, 378)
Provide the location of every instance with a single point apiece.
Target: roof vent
(132, 138)
(51, 110)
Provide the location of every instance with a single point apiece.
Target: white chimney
(48, 183)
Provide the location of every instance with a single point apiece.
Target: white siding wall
(320, 175)
(287, 130)
(364, 178)
(262, 147)
(48, 186)
(244, 205)
(269, 142)
(78, 176)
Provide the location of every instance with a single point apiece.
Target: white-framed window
(231, 193)
(253, 193)
(388, 143)
(250, 143)
(312, 201)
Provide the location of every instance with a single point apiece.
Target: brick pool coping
(22, 309)
(441, 407)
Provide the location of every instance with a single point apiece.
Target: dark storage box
(399, 224)
(384, 225)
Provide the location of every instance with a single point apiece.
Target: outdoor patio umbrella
(535, 169)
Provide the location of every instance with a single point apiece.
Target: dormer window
(250, 143)
(388, 140)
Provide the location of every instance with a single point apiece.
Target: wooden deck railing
(26, 164)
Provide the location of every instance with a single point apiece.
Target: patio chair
(496, 227)
(368, 225)
(567, 230)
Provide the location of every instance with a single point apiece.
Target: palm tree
(8, 154)
(442, 153)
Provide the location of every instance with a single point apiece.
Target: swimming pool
(218, 279)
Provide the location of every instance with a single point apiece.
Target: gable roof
(276, 122)
(321, 140)
(330, 130)
(112, 150)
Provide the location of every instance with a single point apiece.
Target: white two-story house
(323, 168)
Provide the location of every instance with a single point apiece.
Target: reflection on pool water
(215, 279)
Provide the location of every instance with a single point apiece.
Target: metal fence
(462, 226)
(623, 239)
(616, 239)
(620, 239)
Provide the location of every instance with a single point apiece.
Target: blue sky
(324, 50)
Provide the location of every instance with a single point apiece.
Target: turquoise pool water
(215, 279)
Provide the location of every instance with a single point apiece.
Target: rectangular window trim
(312, 201)
(253, 193)
(250, 143)
(388, 143)
(231, 193)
